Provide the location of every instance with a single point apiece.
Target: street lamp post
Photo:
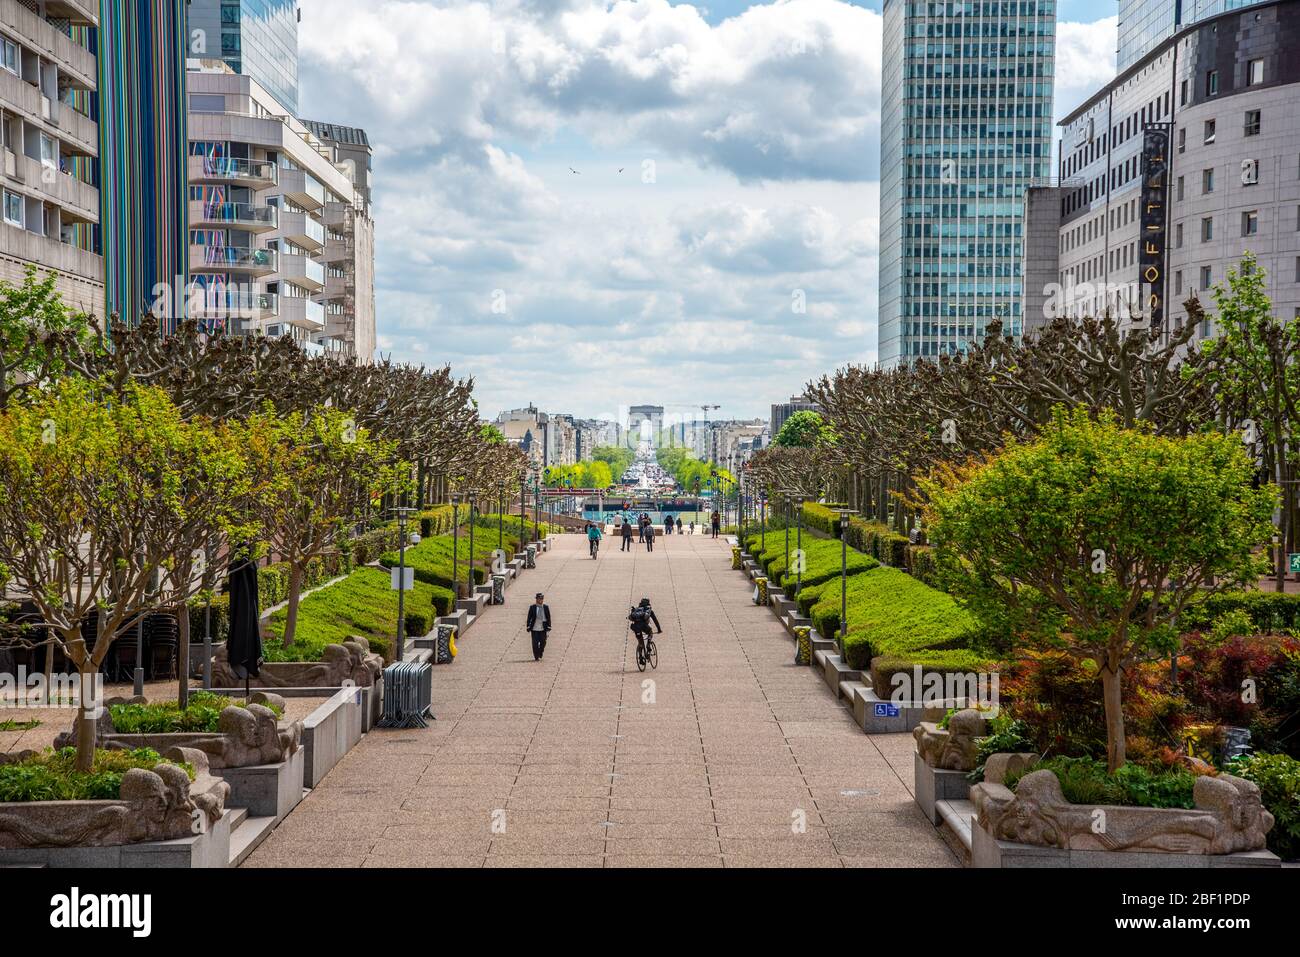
(402, 512)
(844, 576)
(501, 519)
(471, 501)
(798, 581)
(523, 509)
(762, 520)
(455, 544)
(786, 495)
(537, 508)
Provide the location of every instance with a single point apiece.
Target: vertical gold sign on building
(1154, 221)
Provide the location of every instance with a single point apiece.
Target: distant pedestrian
(668, 524)
(679, 526)
(649, 538)
(539, 625)
(715, 520)
(692, 526)
(626, 531)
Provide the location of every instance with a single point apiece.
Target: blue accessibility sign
(886, 710)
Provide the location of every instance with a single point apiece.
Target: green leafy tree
(316, 473)
(29, 313)
(95, 491)
(1116, 528)
(618, 459)
(804, 429)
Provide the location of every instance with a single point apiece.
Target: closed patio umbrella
(244, 646)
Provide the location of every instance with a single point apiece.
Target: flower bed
(202, 715)
(51, 775)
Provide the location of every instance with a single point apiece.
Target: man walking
(539, 625)
(716, 521)
(649, 538)
(627, 535)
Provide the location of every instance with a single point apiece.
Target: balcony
(72, 59)
(80, 198)
(240, 259)
(50, 253)
(336, 215)
(302, 230)
(232, 306)
(303, 271)
(256, 174)
(302, 189)
(78, 11)
(303, 313)
(255, 219)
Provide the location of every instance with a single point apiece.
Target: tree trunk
(291, 611)
(1111, 686)
(88, 713)
(182, 611)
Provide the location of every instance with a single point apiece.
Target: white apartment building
(49, 147)
(281, 240)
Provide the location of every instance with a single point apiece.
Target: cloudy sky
(586, 204)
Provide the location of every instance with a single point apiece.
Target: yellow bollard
(735, 558)
(803, 645)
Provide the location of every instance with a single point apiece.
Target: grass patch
(10, 724)
(52, 775)
(202, 715)
(362, 605)
(1086, 781)
(432, 558)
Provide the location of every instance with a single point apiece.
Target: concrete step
(958, 816)
(245, 838)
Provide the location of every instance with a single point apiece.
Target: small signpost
(1293, 561)
(403, 579)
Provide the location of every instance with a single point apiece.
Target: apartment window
(1206, 279)
(1182, 139)
(1254, 72)
(1181, 191)
(1207, 229)
(1209, 132)
(9, 55)
(13, 208)
(1253, 122)
(1178, 236)
(49, 151)
(1211, 82)
(1250, 222)
(1297, 269)
(1207, 181)
(207, 103)
(1178, 283)
(1182, 93)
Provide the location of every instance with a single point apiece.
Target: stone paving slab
(727, 755)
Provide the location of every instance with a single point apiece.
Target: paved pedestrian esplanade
(727, 755)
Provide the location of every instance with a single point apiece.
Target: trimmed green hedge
(432, 558)
(822, 559)
(822, 517)
(362, 605)
(879, 541)
(901, 621)
(1270, 612)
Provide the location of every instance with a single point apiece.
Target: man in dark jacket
(539, 625)
(627, 534)
(649, 538)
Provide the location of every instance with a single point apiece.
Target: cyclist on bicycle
(593, 538)
(641, 616)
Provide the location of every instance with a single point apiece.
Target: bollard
(803, 645)
(446, 650)
(530, 556)
(735, 558)
(760, 592)
(498, 589)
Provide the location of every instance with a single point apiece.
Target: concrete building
(1145, 24)
(281, 239)
(733, 442)
(258, 38)
(529, 429)
(783, 410)
(966, 128)
(49, 147)
(1223, 91)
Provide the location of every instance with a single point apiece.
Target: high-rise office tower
(1145, 24)
(966, 127)
(256, 38)
(142, 157)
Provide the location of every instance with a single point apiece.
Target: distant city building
(966, 128)
(281, 238)
(1146, 24)
(50, 204)
(783, 410)
(1224, 92)
(638, 414)
(257, 38)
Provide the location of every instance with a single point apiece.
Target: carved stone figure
(953, 748)
(1228, 817)
(154, 805)
(351, 661)
(998, 767)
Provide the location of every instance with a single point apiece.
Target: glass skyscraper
(1143, 24)
(256, 38)
(966, 127)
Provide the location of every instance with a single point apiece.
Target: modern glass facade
(257, 38)
(966, 127)
(1144, 24)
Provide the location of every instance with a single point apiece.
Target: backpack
(640, 615)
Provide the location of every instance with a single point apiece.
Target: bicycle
(593, 546)
(646, 652)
